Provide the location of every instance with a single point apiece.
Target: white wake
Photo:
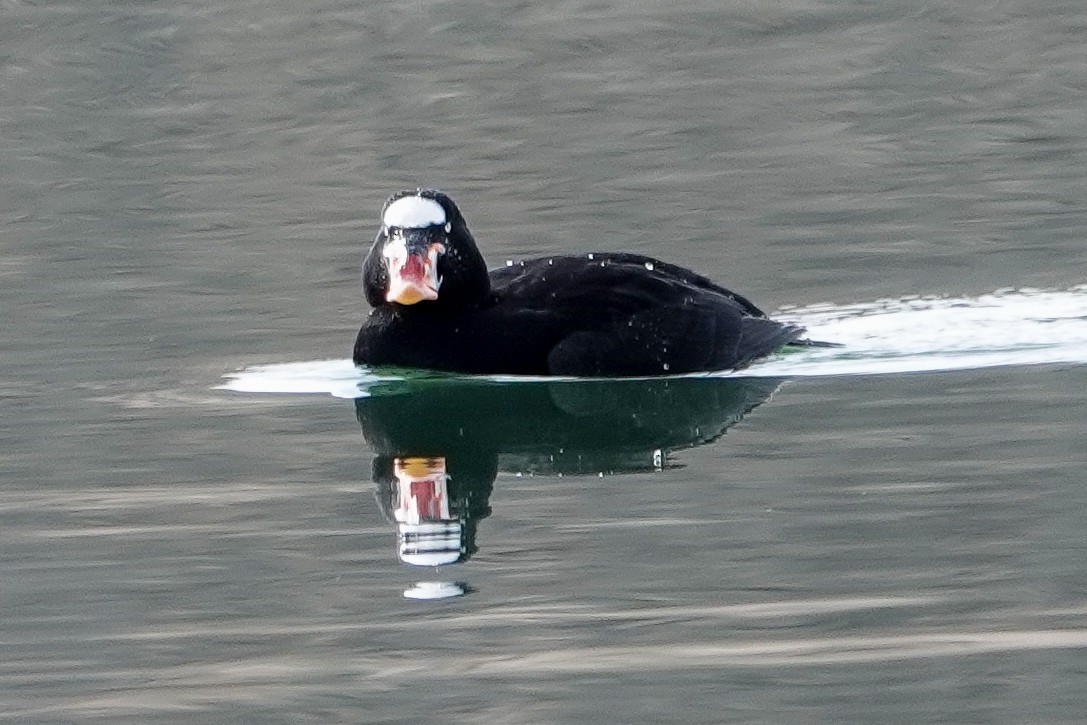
(1007, 327)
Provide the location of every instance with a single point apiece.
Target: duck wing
(629, 315)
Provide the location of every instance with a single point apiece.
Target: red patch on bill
(414, 268)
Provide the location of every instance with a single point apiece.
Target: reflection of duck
(583, 426)
(436, 512)
(436, 306)
(440, 442)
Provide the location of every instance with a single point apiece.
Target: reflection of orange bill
(423, 489)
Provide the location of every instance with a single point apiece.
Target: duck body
(600, 315)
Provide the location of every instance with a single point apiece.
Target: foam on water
(1007, 327)
(336, 377)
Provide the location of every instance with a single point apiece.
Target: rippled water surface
(193, 530)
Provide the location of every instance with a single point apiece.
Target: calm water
(186, 189)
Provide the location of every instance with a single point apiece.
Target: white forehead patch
(414, 212)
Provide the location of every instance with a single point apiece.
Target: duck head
(424, 256)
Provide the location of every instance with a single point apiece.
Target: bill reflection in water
(435, 516)
(440, 443)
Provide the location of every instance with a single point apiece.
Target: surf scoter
(436, 306)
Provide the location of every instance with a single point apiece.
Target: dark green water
(186, 189)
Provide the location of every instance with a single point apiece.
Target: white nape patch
(414, 212)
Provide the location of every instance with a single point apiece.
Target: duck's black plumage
(591, 315)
